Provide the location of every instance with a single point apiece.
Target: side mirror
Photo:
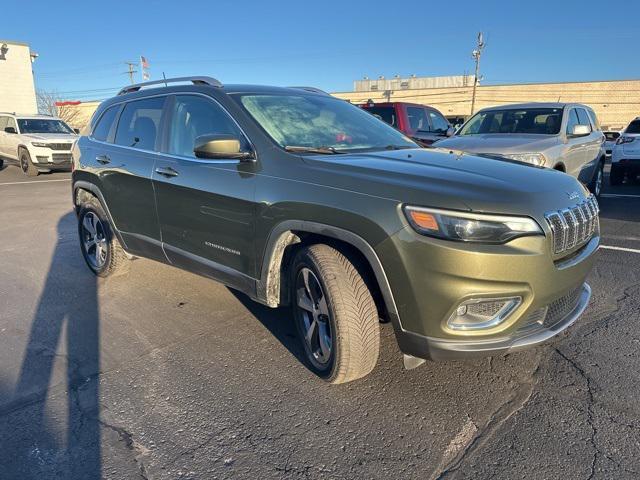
(580, 130)
(220, 147)
(10, 130)
(450, 132)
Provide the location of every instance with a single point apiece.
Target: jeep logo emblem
(573, 195)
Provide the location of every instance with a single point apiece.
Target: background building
(616, 102)
(17, 91)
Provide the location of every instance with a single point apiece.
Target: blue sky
(83, 45)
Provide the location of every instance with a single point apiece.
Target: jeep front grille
(60, 146)
(573, 226)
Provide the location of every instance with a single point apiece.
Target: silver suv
(37, 143)
(563, 136)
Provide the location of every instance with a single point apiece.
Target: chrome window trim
(166, 154)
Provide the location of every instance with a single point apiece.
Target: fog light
(481, 313)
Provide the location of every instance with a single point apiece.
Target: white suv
(37, 143)
(625, 157)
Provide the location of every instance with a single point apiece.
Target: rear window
(139, 123)
(103, 127)
(634, 127)
(386, 114)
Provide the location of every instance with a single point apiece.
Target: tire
(328, 291)
(616, 175)
(27, 167)
(596, 183)
(100, 248)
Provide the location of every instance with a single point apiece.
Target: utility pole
(476, 54)
(131, 72)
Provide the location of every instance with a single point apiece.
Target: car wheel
(335, 315)
(616, 175)
(596, 183)
(100, 248)
(27, 167)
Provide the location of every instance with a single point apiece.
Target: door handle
(103, 159)
(167, 172)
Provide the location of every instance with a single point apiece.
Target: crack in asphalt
(513, 405)
(590, 414)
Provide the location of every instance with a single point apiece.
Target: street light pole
(476, 54)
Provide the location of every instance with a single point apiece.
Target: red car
(422, 123)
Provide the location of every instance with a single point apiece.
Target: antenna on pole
(131, 72)
(165, 79)
(476, 54)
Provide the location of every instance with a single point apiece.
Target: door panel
(11, 141)
(206, 207)
(125, 170)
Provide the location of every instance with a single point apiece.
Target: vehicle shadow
(277, 321)
(64, 336)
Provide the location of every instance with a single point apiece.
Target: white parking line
(618, 195)
(621, 249)
(36, 181)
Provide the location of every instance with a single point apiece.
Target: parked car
(299, 199)
(625, 157)
(562, 136)
(421, 123)
(611, 137)
(36, 143)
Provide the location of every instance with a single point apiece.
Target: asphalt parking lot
(162, 374)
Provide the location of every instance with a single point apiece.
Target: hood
(449, 179)
(499, 143)
(51, 137)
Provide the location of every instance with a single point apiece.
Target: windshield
(634, 127)
(321, 122)
(544, 121)
(43, 125)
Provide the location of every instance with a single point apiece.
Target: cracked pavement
(162, 374)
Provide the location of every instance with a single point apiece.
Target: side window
(594, 120)
(583, 117)
(139, 123)
(572, 121)
(418, 119)
(3, 123)
(194, 116)
(103, 127)
(12, 123)
(438, 122)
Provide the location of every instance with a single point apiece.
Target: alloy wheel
(23, 164)
(94, 240)
(598, 186)
(314, 318)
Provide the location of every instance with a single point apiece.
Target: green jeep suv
(299, 199)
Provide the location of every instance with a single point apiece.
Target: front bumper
(528, 336)
(429, 278)
(48, 159)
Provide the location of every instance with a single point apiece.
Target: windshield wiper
(322, 150)
(397, 147)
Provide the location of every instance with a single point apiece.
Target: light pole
(476, 54)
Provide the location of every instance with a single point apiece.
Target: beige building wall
(17, 91)
(615, 102)
(83, 116)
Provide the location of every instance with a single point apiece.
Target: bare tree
(49, 103)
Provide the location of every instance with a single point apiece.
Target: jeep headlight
(469, 227)
(40, 144)
(532, 158)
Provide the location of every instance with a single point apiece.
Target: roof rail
(166, 81)
(312, 89)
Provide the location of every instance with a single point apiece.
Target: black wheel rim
(314, 319)
(94, 241)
